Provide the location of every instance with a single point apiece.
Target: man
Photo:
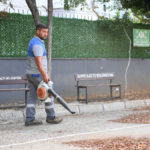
(36, 71)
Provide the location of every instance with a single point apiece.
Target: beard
(42, 37)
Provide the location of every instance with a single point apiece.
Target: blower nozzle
(60, 100)
(45, 90)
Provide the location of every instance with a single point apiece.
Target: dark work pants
(30, 108)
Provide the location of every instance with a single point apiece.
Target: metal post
(111, 88)
(86, 95)
(120, 91)
(111, 91)
(25, 95)
(110, 81)
(78, 91)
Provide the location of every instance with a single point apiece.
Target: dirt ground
(109, 130)
(93, 131)
(129, 96)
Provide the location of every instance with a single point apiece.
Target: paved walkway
(18, 115)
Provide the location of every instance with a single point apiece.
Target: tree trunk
(35, 13)
(49, 40)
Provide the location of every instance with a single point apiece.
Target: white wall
(57, 3)
(22, 3)
(60, 4)
(20, 6)
(19, 2)
(41, 2)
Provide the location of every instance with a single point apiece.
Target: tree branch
(35, 13)
(49, 40)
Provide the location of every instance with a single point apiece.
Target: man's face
(42, 34)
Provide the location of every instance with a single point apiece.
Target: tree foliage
(4, 1)
(68, 4)
(139, 7)
(116, 23)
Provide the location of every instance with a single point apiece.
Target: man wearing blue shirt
(36, 71)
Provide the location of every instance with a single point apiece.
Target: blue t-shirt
(36, 48)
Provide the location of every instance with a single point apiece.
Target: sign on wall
(141, 38)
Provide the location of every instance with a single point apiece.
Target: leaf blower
(46, 89)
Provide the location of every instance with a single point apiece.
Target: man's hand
(46, 79)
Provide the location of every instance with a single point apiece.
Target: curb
(12, 115)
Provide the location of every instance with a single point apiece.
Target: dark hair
(41, 26)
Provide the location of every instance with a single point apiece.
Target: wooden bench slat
(13, 78)
(94, 76)
(115, 85)
(9, 90)
(98, 85)
(6, 82)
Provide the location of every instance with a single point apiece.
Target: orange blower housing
(41, 92)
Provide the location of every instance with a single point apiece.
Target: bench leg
(78, 93)
(86, 95)
(110, 91)
(25, 97)
(120, 91)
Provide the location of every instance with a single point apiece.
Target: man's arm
(41, 68)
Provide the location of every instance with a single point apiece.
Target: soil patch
(129, 96)
(142, 108)
(113, 144)
(140, 118)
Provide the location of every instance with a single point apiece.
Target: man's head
(42, 31)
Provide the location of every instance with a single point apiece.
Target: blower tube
(60, 100)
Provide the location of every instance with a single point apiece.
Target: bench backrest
(96, 76)
(7, 80)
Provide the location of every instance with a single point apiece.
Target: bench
(95, 77)
(14, 80)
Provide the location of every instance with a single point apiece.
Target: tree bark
(49, 40)
(35, 13)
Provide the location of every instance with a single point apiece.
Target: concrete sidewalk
(18, 115)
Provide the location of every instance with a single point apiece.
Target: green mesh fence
(72, 38)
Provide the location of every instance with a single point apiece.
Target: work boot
(55, 120)
(33, 122)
